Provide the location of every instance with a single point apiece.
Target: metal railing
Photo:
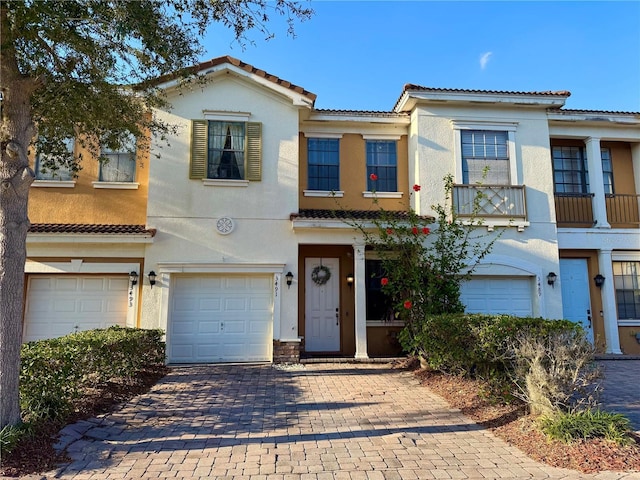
(574, 208)
(623, 210)
(502, 201)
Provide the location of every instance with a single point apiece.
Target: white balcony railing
(494, 201)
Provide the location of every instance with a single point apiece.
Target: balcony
(493, 201)
(574, 209)
(623, 210)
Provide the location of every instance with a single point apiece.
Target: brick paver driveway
(322, 421)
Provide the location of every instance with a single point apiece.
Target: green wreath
(320, 275)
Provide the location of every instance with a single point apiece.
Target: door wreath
(320, 275)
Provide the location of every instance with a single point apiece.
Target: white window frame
(132, 185)
(53, 182)
(509, 127)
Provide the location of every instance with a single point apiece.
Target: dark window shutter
(199, 131)
(254, 151)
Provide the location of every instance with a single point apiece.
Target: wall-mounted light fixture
(133, 278)
(289, 277)
(599, 280)
(350, 280)
(152, 278)
(551, 279)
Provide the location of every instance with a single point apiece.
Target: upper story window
(607, 171)
(46, 167)
(119, 165)
(323, 164)
(382, 161)
(485, 157)
(226, 151)
(570, 173)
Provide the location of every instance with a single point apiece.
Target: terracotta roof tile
(214, 62)
(411, 86)
(363, 113)
(604, 112)
(314, 214)
(90, 229)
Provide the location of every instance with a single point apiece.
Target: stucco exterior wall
(185, 211)
(85, 204)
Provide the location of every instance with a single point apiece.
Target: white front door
(576, 305)
(322, 305)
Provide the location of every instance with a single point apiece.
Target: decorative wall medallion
(225, 225)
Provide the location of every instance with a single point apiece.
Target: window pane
(379, 306)
(627, 285)
(226, 143)
(485, 157)
(382, 161)
(570, 170)
(59, 172)
(119, 167)
(607, 170)
(323, 164)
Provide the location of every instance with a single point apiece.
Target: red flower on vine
(389, 231)
(384, 281)
(373, 177)
(426, 230)
(416, 188)
(408, 304)
(415, 230)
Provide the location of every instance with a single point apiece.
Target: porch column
(596, 183)
(360, 301)
(609, 309)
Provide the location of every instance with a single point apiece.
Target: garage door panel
(61, 304)
(230, 321)
(498, 295)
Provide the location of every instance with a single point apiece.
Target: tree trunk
(16, 133)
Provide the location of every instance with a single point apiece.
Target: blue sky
(359, 54)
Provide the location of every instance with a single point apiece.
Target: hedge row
(477, 345)
(55, 372)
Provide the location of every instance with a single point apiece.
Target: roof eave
(410, 98)
(87, 238)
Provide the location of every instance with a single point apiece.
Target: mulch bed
(511, 423)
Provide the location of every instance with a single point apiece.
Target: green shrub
(54, 372)
(11, 434)
(568, 427)
(476, 345)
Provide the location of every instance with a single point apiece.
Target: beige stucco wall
(88, 205)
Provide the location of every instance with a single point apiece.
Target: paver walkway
(323, 421)
(621, 385)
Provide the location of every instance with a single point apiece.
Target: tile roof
(363, 113)
(90, 229)
(411, 86)
(314, 214)
(214, 62)
(579, 111)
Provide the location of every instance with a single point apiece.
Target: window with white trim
(607, 170)
(382, 161)
(323, 164)
(226, 150)
(570, 174)
(119, 166)
(47, 167)
(626, 278)
(485, 157)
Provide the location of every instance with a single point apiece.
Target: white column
(596, 183)
(609, 309)
(360, 301)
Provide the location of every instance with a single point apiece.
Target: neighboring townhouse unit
(240, 215)
(87, 235)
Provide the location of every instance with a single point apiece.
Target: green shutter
(254, 151)
(199, 133)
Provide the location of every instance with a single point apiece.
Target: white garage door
(61, 304)
(220, 318)
(498, 295)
